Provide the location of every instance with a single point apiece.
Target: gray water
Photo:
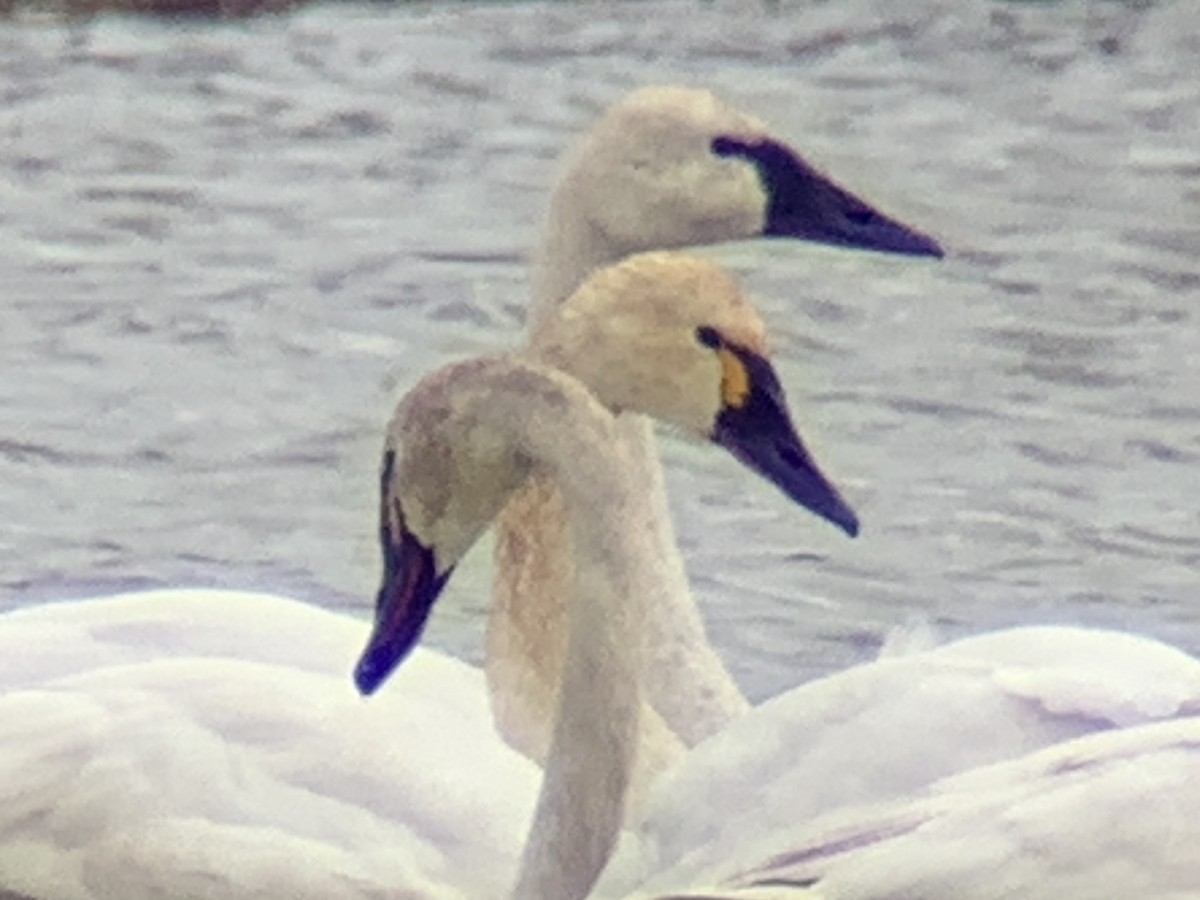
(225, 250)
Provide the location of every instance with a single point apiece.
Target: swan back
(1102, 816)
(205, 743)
(889, 729)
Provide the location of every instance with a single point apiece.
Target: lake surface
(227, 249)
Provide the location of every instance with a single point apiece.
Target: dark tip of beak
(781, 458)
(373, 668)
(809, 487)
(829, 504)
(410, 587)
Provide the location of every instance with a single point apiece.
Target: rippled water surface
(225, 251)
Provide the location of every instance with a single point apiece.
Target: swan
(1105, 815)
(466, 437)
(1020, 689)
(203, 744)
(889, 729)
(1086, 817)
(155, 743)
(103, 659)
(885, 732)
(664, 167)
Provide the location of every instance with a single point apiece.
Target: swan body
(1110, 814)
(663, 167)
(890, 729)
(201, 743)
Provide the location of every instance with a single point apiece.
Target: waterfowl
(469, 435)
(664, 167)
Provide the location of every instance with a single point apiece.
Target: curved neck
(691, 695)
(596, 733)
(570, 249)
(687, 684)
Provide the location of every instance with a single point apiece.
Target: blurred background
(229, 244)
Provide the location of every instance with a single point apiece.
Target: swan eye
(727, 146)
(709, 337)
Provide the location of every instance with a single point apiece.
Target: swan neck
(571, 248)
(593, 748)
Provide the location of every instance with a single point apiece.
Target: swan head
(671, 337)
(675, 166)
(453, 456)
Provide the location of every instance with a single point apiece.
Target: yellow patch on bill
(735, 380)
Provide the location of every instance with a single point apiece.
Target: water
(227, 249)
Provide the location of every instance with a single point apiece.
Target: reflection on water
(227, 250)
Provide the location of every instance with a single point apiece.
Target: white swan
(1095, 818)
(664, 167)
(977, 702)
(469, 435)
(620, 335)
(1090, 817)
(151, 744)
(119, 647)
(203, 744)
(887, 731)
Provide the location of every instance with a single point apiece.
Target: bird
(206, 743)
(1109, 814)
(666, 166)
(974, 702)
(469, 435)
(182, 741)
(1093, 788)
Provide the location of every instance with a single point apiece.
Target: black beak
(783, 460)
(806, 205)
(410, 587)
(760, 433)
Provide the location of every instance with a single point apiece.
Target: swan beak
(806, 205)
(410, 587)
(784, 461)
(754, 425)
